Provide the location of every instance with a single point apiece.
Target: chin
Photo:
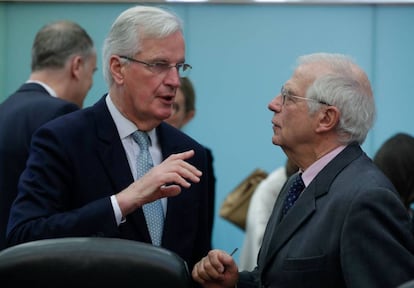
(164, 115)
(275, 140)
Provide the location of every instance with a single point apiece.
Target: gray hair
(131, 27)
(341, 83)
(56, 42)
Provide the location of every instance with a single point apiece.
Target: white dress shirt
(125, 129)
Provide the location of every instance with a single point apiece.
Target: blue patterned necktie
(294, 191)
(153, 211)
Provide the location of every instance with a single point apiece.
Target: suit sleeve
(44, 207)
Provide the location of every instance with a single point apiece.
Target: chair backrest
(409, 284)
(92, 262)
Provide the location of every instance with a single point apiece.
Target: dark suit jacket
(348, 229)
(77, 162)
(211, 190)
(20, 115)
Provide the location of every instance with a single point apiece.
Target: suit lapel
(283, 230)
(112, 154)
(169, 146)
(110, 148)
(280, 232)
(167, 140)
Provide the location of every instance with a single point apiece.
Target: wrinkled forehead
(165, 48)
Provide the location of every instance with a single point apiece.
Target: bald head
(56, 42)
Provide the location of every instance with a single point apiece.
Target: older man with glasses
(85, 175)
(339, 221)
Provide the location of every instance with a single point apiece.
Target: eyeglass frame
(286, 93)
(161, 66)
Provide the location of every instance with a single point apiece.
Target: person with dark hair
(338, 221)
(115, 169)
(184, 104)
(63, 63)
(395, 158)
(183, 112)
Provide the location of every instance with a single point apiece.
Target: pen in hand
(231, 254)
(234, 251)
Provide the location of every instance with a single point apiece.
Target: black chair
(92, 262)
(409, 284)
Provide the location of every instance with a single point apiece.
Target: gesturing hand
(163, 180)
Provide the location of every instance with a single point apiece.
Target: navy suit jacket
(77, 162)
(211, 190)
(348, 229)
(20, 115)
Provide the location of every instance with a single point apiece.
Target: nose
(172, 77)
(275, 104)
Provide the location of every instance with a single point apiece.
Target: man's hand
(216, 270)
(163, 180)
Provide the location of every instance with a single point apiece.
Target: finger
(196, 273)
(215, 260)
(189, 172)
(208, 271)
(183, 155)
(170, 190)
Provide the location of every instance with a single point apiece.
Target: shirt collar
(124, 126)
(318, 165)
(47, 87)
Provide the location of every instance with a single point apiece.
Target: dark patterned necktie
(294, 191)
(154, 214)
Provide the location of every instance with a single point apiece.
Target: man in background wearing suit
(183, 112)
(82, 173)
(63, 63)
(348, 227)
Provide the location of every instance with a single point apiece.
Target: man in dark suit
(82, 177)
(348, 227)
(63, 62)
(183, 112)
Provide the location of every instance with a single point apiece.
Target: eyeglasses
(162, 67)
(287, 95)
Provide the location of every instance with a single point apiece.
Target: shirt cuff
(117, 211)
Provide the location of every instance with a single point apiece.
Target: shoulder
(171, 136)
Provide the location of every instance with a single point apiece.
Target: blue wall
(241, 55)
(2, 50)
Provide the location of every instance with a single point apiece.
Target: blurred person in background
(395, 158)
(63, 64)
(183, 112)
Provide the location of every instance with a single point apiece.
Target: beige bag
(235, 205)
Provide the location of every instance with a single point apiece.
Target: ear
(76, 67)
(190, 115)
(328, 119)
(117, 69)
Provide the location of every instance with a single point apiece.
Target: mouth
(167, 99)
(275, 125)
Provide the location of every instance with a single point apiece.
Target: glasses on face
(163, 67)
(288, 96)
